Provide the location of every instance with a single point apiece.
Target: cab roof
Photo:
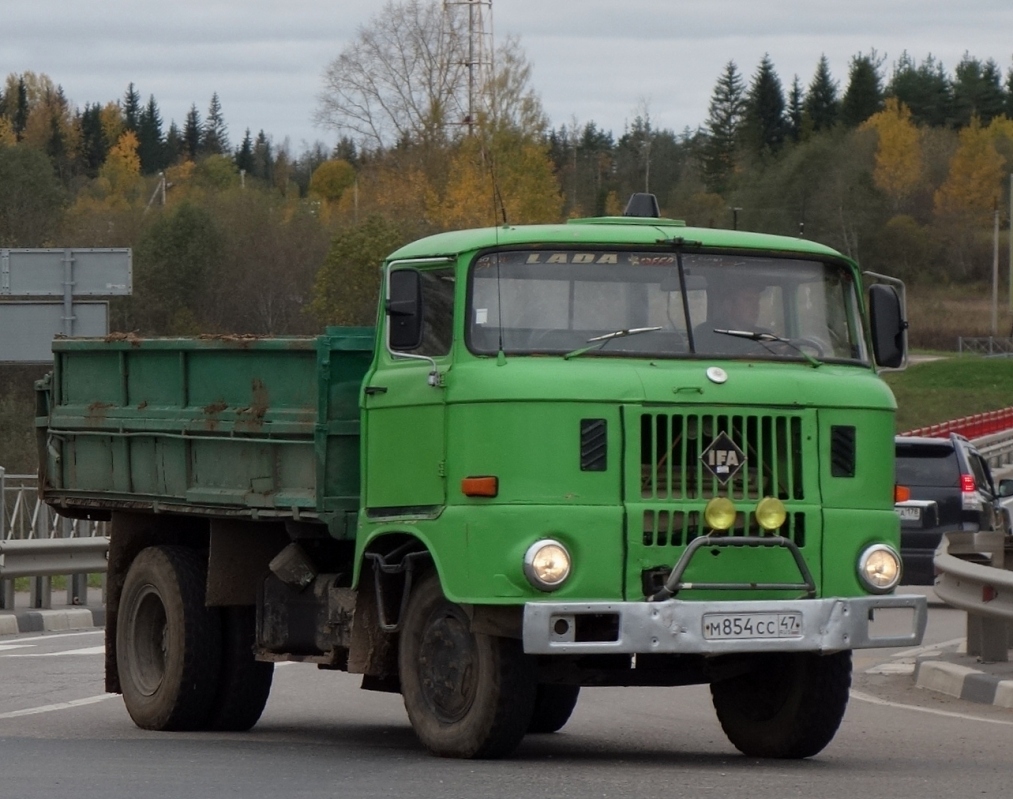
(608, 231)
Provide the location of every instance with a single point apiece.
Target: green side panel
(534, 449)
(217, 424)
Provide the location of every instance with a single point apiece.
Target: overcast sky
(599, 60)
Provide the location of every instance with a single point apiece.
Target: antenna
(478, 59)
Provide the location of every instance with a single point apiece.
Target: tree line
(904, 169)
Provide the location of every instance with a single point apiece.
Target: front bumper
(677, 627)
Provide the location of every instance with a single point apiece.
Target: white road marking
(91, 650)
(57, 635)
(4, 647)
(872, 700)
(31, 711)
(926, 650)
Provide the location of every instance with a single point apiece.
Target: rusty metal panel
(215, 425)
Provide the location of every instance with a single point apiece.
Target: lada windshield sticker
(723, 459)
(573, 258)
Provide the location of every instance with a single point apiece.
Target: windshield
(638, 303)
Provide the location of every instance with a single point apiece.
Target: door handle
(370, 390)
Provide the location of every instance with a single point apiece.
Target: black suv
(942, 484)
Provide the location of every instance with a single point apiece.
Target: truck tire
(553, 706)
(168, 643)
(468, 695)
(245, 683)
(789, 706)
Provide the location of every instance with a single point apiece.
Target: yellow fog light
(546, 564)
(770, 513)
(879, 568)
(719, 513)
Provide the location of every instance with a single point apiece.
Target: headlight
(770, 513)
(879, 568)
(547, 564)
(719, 513)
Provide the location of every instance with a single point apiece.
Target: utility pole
(478, 58)
(995, 270)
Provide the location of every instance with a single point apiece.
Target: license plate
(910, 514)
(734, 626)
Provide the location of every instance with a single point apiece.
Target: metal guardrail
(38, 543)
(985, 592)
(989, 346)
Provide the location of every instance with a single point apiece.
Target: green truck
(618, 451)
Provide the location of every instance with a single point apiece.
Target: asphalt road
(322, 737)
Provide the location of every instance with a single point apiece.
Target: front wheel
(788, 705)
(467, 694)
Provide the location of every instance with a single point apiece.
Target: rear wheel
(789, 705)
(553, 706)
(168, 643)
(467, 694)
(245, 683)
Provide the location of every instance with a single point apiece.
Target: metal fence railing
(989, 346)
(37, 543)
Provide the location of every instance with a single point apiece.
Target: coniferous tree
(175, 146)
(1009, 94)
(20, 119)
(244, 155)
(864, 95)
(263, 158)
(131, 109)
(215, 135)
(94, 147)
(796, 110)
(345, 150)
(192, 133)
(764, 124)
(924, 88)
(822, 106)
(724, 119)
(977, 91)
(150, 144)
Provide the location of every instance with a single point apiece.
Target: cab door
(405, 415)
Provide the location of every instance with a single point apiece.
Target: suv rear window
(927, 466)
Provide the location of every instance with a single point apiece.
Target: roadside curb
(965, 682)
(37, 621)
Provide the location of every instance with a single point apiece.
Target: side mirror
(888, 326)
(404, 309)
(1006, 488)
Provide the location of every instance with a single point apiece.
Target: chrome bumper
(675, 626)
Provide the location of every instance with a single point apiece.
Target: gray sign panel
(45, 273)
(27, 329)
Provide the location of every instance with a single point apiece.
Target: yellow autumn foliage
(972, 185)
(511, 177)
(898, 168)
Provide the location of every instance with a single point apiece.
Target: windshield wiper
(753, 335)
(605, 338)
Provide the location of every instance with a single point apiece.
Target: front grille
(676, 528)
(671, 468)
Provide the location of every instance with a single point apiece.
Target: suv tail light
(970, 499)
